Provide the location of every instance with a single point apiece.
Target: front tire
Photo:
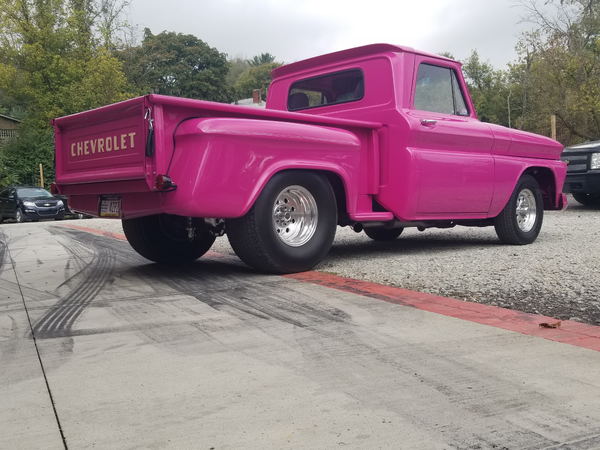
(592, 200)
(291, 226)
(520, 221)
(19, 216)
(164, 238)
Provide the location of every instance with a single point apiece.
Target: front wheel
(291, 226)
(520, 221)
(19, 217)
(588, 199)
(168, 239)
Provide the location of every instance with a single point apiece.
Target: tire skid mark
(58, 321)
(80, 256)
(222, 288)
(3, 244)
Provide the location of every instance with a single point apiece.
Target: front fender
(508, 171)
(221, 165)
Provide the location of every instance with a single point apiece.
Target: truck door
(451, 149)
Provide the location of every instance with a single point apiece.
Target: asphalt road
(129, 354)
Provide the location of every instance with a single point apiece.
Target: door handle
(428, 122)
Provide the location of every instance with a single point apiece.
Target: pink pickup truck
(378, 137)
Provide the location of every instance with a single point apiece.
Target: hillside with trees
(59, 57)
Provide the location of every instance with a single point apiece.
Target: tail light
(164, 183)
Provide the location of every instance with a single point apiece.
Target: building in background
(8, 128)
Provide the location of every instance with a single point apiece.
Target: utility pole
(553, 126)
(41, 175)
(508, 105)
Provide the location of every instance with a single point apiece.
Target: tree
(237, 66)
(177, 64)
(53, 61)
(488, 88)
(256, 77)
(263, 58)
(558, 71)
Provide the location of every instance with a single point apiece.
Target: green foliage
(53, 62)
(177, 64)
(255, 77)
(488, 88)
(237, 66)
(263, 58)
(558, 71)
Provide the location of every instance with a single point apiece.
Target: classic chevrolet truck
(378, 137)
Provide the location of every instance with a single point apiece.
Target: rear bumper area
(585, 183)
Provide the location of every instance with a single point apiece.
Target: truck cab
(432, 143)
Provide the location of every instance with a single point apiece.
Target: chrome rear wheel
(295, 215)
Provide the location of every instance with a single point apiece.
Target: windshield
(33, 192)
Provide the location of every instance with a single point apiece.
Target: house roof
(10, 118)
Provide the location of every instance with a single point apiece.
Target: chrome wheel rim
(526, 210)
(295, 216)
(19, 216)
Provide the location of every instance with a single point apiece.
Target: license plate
(110, 207)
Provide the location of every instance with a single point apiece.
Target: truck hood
(509, 141)
(586, 147)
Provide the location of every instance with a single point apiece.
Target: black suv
(583, 172)
(29, 203)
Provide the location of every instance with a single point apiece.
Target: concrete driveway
(101, 349)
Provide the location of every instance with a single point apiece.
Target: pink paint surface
(220, 156)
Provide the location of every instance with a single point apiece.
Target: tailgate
(104, 144)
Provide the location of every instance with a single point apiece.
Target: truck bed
(120, 149)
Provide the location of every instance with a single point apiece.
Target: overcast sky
(296, 29)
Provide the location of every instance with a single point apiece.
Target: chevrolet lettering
(377, 138)
(123, 141)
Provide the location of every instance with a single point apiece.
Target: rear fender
(221, 165)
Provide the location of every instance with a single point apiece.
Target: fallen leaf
(550, 325)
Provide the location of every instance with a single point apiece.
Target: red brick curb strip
(570, 332)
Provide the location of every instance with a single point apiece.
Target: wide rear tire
(520, 221)
(290, 227)
(163, 238)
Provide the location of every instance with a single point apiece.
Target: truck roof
(351, 53)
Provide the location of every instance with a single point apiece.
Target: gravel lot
(558, 275)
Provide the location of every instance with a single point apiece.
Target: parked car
(583, 172)
(378, 137)
(23, 203)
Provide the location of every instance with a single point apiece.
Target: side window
(437, 90)
(330, 89)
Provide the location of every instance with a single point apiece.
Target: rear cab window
(438, 90)
(324, 90)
